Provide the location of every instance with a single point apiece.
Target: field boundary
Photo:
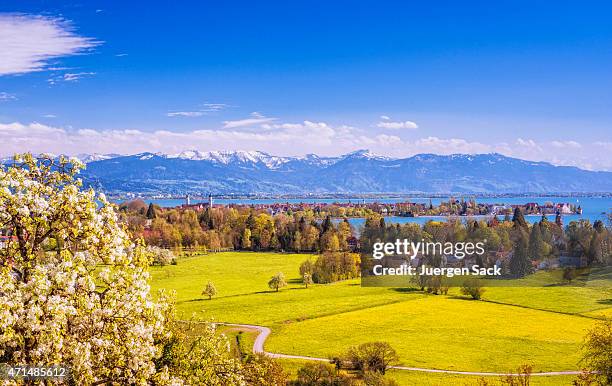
(264, 332)
(551, 311)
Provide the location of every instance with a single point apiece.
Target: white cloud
(386, 124)
(285, 138)
(121, 55)
(213, 107)
(49, 116)
(449, 146)
(69, 77)
(315, 136)
(184, 114)
(528, 143)
(385, 118)
(255, 120)
(27, 42)
(205, 110)
(73, 77)
(59, 68)
(566, 144)
(5, 96)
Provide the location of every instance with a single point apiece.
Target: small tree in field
(209, 290)
(473, 288)
(277, 281)
(569, 274)
(307, 279)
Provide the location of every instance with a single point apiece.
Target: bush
(261, 370)
(585, 378)
(315, 373)
(598, 351)
(377, 379)
(436, 285)
(321, 374)
(196, 353)
(473, 288)
(522, 378)
(306, 267)
(372, 356)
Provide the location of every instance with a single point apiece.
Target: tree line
(242, 228)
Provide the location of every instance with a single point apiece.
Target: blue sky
(400, 78)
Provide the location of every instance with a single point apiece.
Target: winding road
(264, 332)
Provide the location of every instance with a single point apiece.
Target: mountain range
(255, 172)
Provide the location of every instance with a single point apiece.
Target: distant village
(359, 208)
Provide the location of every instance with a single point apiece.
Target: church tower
(558, 219)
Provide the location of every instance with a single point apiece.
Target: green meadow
(511, 326)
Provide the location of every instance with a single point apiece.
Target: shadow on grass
(195, 300)
(605, 301)
(458, 297)
(406, 289)
(228, 296)
(573, 283)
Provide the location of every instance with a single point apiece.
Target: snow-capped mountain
(228, 157)
(87, 158)
(223, 172)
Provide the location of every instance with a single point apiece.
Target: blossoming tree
(74, 288)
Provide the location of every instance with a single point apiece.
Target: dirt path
(264, 332)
